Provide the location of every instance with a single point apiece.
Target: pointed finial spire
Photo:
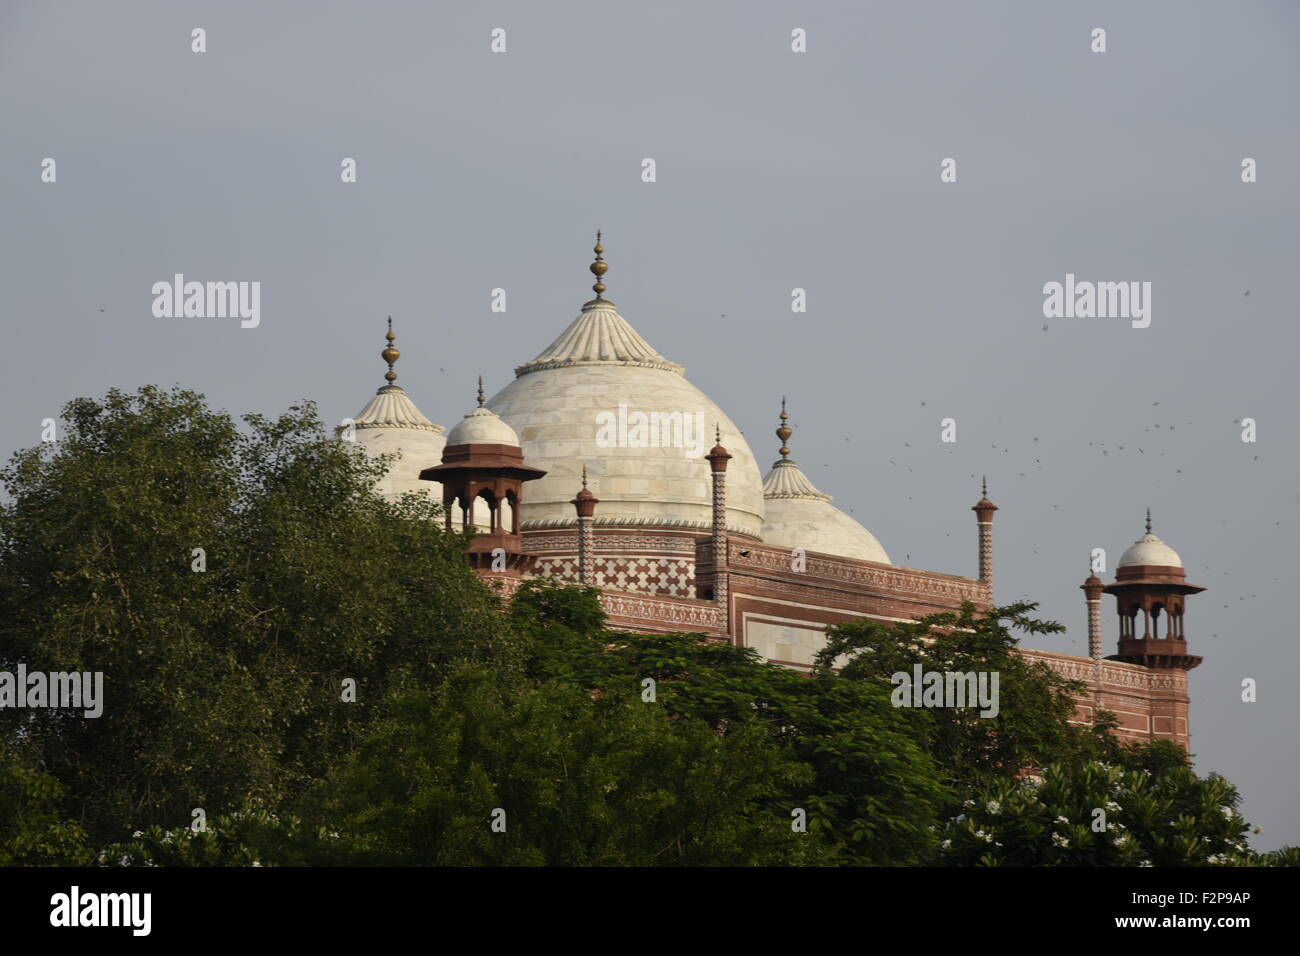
(390, 354)
(784, 431)
(718, 455)
(984, 486)
(480, 391)
(584, 475)
(598, 269)
(1148, 521)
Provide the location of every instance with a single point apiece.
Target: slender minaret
(1092, 590)
(585, 503)
(984, 515)
(718, 458)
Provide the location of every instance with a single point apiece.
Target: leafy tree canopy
(224, 683)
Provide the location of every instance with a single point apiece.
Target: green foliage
(582, 780)
(224, 685)
(1032, 725)
(874, 793)
(1287, 856)
(32, 831)
(563, 628)
(1148, 810)
(250, 837)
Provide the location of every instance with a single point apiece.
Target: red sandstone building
(683, 538)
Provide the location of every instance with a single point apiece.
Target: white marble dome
(482, 427)
(800, 516)
(1150, 550)
(391, 423)
(580, 401)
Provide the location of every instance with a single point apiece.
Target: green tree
(1032, 726)
(1148, 809)
(224, 684)
(253, 837)
(874, 793)
(33, 831)
(570, 778)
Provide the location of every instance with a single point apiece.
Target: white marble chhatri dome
(800, 516)
(482, 427)
(391, 423)
(1150, 550)
(599, 370)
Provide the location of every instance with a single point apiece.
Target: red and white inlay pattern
(986, 553)
(642, 574)
(1094, 629)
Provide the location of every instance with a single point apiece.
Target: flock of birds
(1203, 565)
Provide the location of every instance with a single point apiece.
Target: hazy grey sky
(775, 170)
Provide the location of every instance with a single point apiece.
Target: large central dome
(599, 395)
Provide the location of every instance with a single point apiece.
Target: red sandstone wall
(1149, 703)
(784, 612)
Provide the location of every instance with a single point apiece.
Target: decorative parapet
(1113, 673)
(629, 610)
(764, 559)
(663, 612)
(505, 585)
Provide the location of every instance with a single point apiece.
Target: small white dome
(482, 427)
(391, 423)
(392, 408)
(1150, 550)
(800, 516)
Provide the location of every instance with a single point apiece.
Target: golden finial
(784, 431)
(480, 391)
(390, 354)
(1148, 521)
(598, 269)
